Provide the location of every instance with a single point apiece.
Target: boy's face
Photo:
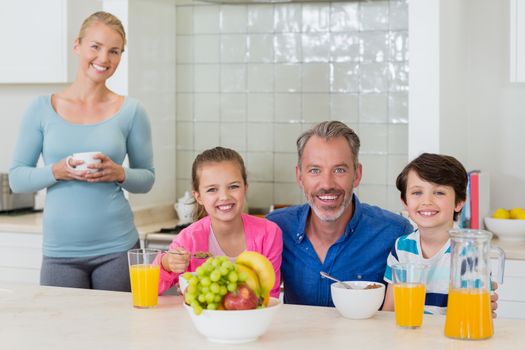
(429, 205)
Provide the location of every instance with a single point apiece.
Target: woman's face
(100, 51)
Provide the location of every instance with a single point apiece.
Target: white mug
(87, 158)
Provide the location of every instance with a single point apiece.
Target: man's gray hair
(329, 130)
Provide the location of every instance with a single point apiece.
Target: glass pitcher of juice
(469, 315)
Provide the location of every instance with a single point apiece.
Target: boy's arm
(388, 305)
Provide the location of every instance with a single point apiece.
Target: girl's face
(430, 205)
(100, 51)
(222, 190)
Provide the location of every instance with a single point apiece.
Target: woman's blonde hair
(106, 18)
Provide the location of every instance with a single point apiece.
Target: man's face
(327, 176)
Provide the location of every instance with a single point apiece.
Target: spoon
(325, 275)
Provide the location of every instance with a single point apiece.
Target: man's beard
(347, 200)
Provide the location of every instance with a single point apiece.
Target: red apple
(242, 299)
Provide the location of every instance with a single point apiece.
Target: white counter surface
(152, 219)
(147, 220)
(34, 317)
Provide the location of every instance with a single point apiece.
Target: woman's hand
(176, 260)
(108, 171)
(63, 172)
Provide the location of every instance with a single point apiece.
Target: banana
(252, 281)
(262, 267)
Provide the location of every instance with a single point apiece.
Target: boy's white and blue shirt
(407, 249)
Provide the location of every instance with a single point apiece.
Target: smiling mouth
(225, 207)
(99, 68)
(427, 213)
(328, 198)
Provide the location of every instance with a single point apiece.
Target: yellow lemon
(501, 213)
(517, 213)
(520, 215)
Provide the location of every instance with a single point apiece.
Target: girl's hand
(63, 172)
(108, 171)
(176, 260)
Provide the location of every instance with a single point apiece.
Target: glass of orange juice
(144, 273)
(409, 294)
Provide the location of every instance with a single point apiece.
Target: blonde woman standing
(88, 223)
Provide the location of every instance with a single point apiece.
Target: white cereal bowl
(357, 303)
(507, 229)
(234, 326)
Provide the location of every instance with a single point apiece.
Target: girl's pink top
(262, 236)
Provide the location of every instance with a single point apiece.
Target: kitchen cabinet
(511, 303)
(20, 257)
(517, 40)
(37, 39)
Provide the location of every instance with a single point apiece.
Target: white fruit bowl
(231, 327)
(183, 283)
(506, 229)
(357, 303)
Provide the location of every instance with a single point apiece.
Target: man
(334, 232)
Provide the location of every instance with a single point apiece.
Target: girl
(88, 223)
(219, 187)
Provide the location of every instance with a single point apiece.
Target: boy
(433, 191)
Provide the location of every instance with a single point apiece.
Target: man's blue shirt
(359, 254)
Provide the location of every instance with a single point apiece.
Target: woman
(88, 224)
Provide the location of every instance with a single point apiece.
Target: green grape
(215, 275)
(233, 277)
(210, 297)
(223, 290)
(189, 298)
(211, 282)
(215, 288)
(192, 289)
(188, 276)
(243, 276)
(232, 287)
(197, 309)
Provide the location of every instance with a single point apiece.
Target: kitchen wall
(253, 77)
(469, 109)
(495, 106)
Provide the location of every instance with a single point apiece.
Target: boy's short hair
(439, 169)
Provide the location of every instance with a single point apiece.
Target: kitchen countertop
(150, 220)
(35, 317)
(147, 220)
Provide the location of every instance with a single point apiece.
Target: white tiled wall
(253, 77)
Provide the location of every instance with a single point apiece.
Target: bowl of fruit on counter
(508, 225)
(230, 302)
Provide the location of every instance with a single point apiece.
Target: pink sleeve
(168, 279)
(194, 238)
(272, 248)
